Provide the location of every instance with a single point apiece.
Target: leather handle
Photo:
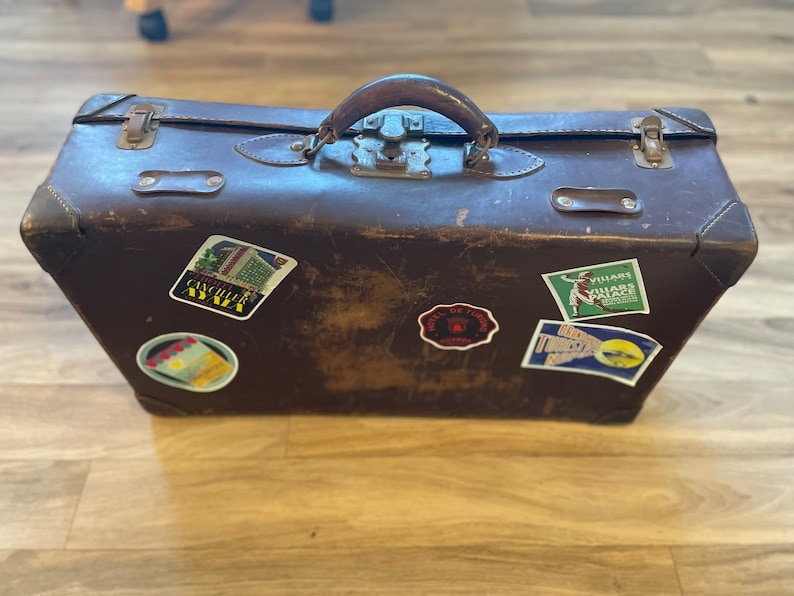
(415, 90)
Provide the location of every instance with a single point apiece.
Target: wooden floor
(697, 497)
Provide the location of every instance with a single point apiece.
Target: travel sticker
(230, 277)
(188, 361)
(613, 352)
(457, 326)
(598, 291)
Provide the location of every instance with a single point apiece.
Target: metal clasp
(141, 123)
(390, 152)
(651, 151)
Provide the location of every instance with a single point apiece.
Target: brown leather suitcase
(429, 260)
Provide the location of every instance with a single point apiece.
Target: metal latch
(390, 153)
(651, 151)
(141, 123)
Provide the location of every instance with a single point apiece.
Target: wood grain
(419, 501)
(762, 569)
(37, 502)
(98, 497)
(319, 570)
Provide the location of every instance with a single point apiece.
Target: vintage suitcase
(428, 260)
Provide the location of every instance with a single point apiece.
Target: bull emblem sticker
(458, 326)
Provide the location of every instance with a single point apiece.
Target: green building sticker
(596, 291)
(231, 277)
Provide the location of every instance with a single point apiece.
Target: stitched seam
(536, 162)
(72, 214)
(722, 214)
(60, 200)
(711, 273)
(260, 159)
(705, 231)
(691, 123)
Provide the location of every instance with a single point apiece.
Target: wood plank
(318, 569)
(421, 501)
(725, 569)
(90, 422)
(679, 419)
(37, 502)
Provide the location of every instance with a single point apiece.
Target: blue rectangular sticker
(613, 352)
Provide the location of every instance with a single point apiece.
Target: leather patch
(274, 150)
(507, 162)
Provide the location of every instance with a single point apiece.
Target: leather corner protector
(51, 230)
(157, 407)
(97, 104)
(727, 245)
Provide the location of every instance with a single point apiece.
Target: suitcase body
(241, 259)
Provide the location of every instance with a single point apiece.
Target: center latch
(389, 147)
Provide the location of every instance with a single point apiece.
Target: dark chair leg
(152, 26)
(322, 10)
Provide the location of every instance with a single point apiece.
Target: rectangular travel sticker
(596, 291)
(618, 354)
(231, 277)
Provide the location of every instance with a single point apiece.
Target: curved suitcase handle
(409, 89)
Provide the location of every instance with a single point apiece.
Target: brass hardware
(376, 158)
(620, 201)
(394, 125)
(651, 151)
(391, 154)
(141, 123)
(183, 182)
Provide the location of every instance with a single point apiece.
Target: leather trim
(159, 408)
(679, 122)
(506, 162)
(51, 230)
(727, 245)
(704, 127)
(98, 104)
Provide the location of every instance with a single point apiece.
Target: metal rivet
(146, 181)
(565, 201)
(298, 146)
(356, 168)
(425, 173)
(369, 149)
(359, 137)
(635, 147)
(415, 122)
(370, 121)
(628, 203)
(214, 180)
(655, 166)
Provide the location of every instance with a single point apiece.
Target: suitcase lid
(678, 122)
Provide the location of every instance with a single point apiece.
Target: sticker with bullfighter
(595, 291)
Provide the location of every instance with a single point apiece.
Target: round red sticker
(458, 326)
